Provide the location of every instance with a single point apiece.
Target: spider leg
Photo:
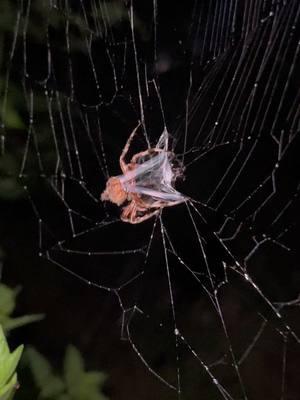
(137, 220)
(145, 153)
(123, 164)
(129, 214)
(127, 211)
(133, 213)
(162, 204)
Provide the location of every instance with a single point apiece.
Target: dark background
(91, 318)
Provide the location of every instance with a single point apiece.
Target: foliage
(75, 384)
(7, 306)
(8, 364)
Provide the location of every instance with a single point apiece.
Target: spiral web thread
(238, 128)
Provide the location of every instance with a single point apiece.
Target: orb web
(208, 291)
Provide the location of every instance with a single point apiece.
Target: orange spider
(146, 183)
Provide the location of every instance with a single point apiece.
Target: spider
(145, 187)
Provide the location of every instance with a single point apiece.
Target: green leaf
(8, 365)
(73, 368)
(7, 391)
(64, 396)
(95, 378)
(7, 299)
(7, 306)
(49, 384)
(12, 119)
(4, 349)
(90, 386)
(76, 384)
(53, 388)
(81, 385)
(12, 323)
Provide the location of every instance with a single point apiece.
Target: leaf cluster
(75, 383)
(8, 365)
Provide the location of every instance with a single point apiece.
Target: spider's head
(114, 191)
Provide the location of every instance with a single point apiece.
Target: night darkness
(201, 301)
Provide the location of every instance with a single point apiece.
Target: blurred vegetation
(14, 118)
(7, 306)
(9, 361)
(73, 384)
(8, 365)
